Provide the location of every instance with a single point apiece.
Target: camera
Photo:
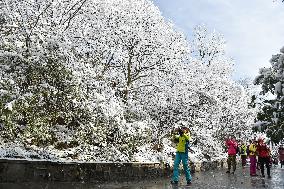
(180, 131)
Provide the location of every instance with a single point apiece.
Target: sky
(253, 29)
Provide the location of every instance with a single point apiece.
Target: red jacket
(281, 153)
(263, 150)
(232, 147)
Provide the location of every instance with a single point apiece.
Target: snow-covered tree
(126, 41)
(272, 82)
(199, 95)
(229, 102)
(104, 77)
(53, 62)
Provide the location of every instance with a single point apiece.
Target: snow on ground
(88, 153)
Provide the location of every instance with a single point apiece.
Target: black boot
(174, 182)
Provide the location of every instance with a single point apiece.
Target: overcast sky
(253, 29)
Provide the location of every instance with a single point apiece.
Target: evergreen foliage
(271, 116)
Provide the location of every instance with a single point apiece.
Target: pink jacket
(232, 147)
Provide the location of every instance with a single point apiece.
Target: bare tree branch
(38, 17)
(73, 15)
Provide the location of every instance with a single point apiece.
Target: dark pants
(262, 161)
(244, 160)
(231, 161)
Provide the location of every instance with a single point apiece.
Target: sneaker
(263, 175)
(269, 176)
(188, 182)
(174, 182)
(228, 171)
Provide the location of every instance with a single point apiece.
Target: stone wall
(39, 171)
(36, 171)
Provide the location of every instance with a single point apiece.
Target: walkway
(217, 179)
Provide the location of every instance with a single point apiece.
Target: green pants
(231, 162)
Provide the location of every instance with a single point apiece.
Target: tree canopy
(271, 116)
(101, 78)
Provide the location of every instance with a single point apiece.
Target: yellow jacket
(182, 142)
(243, 149)
(252, 150)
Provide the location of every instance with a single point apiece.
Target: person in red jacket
(232, 151)
(281, 155)
(263, 157)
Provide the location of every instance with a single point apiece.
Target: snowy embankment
(89, 153)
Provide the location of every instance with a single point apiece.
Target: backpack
(242, 150)
(237, 150)
(248, 150)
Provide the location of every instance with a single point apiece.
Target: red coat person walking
(281, 155)
(232, 147)
(264, 157)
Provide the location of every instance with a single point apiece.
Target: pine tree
(271, 116)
